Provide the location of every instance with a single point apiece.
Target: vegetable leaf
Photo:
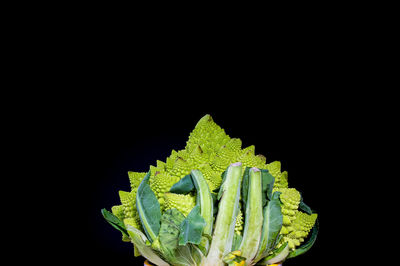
(148, 208)
(183, 186)
(169, 241)
(114, 221)
(140, 240)
(304, 207)
(169, 231)
(271, 227)
(267, 185)
(191, 229)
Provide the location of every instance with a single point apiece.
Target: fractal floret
(214, 203)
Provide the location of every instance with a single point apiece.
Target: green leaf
(306, 246)
(148, 208)
(183, 186)
(304, 207)
(169, 241)
(245, 185)
(114, 221)
(191, 229)
(140, 240)
(267, 185)
(272, 225)
(169, 231)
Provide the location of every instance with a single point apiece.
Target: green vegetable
(214, 203)
(172, 225)
(239, 223)
(135, 178)
(274, 169)
(253, 216)
(149, 209)
(227, 212)
(184, 203)
(290, 199)
(305, 247)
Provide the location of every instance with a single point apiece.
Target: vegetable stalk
(204, 199)
(253, 218)
(226, 218)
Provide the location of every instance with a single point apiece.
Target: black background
(108, 139)
(105, 102)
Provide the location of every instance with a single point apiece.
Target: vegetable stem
(226, 218)
(204, 199)
(253, 218)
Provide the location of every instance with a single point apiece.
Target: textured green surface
(183, 203)
(169, 231)
(210, 151)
